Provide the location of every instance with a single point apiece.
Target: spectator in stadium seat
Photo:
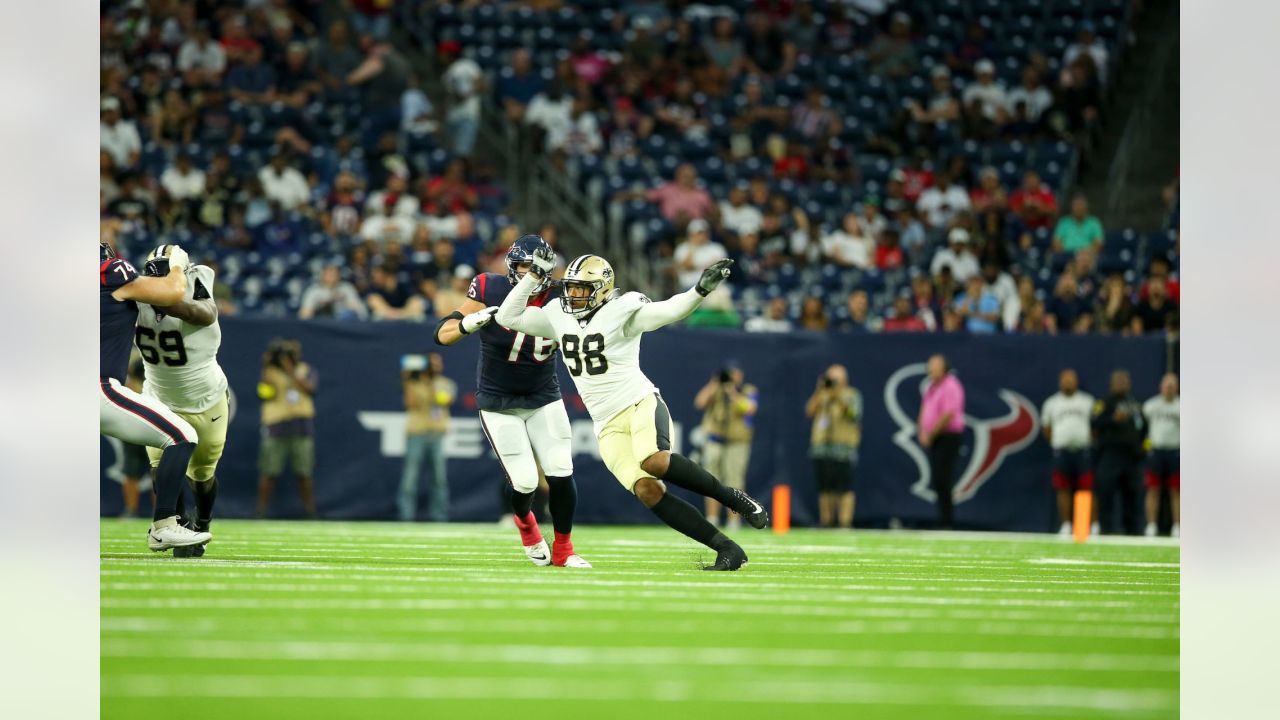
(989, 192)
(736, 215)
(464, 84)
(1001, 284)
(1118, 427)
(427, 397)
(952, 321)
(1113, 309)
(813, 314)
(768, 52)
(372, 17)
(696, 253)
(1078, 230)
(957, 256)
(336, 58)
(583, 136)
(679, 200)
(774, 319)
(889, 254)
(912, 236)
(814, 120)
(803, 28)
(1032, 94)
(589, 65)
(181, 181)
(1034, 203)
(943, 106)
(979, 307)
(1088, 43)
(923, 302)
(679, 114)
(903, 317)
(748, 262)
(834, 437)
(986, 103)
(340, 211)
(118, 137)
(1034, 320)
(282, 183)
(849, 246)
(916, 176)
(892, 54)
(1159, 272)
(939, 204)
(1156, 312)
(940, 429)
(391, 299)
(332, 297)
(518, 88)
(873, 221)
(627, 129)
(450, 192)
(860, 318)
(1079, 96)
(250, 81)
(296, 81)
(201, 60)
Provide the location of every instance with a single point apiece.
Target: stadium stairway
(1131, 162)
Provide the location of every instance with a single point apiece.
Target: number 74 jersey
(181, 359)
(603, 356)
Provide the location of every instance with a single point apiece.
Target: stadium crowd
(868, 168)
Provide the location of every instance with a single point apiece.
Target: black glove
(713, 276)
(544, 261)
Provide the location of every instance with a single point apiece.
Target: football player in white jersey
(599, 332)
(1164, 466)
(179, 346)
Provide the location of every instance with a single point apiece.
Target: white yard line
(768, 691)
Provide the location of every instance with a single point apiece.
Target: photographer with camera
(427, 397)
(286, 387)
(729, 406)
(836, 409)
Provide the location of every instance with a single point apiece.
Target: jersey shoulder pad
(202, 283)
(114, 273)
(633, 300)
(483, 285)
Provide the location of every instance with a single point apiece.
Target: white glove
(476, 320)
(178, 259)
(544, 261)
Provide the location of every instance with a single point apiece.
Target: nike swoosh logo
(216, 419)
(755, 505)
(537, 557)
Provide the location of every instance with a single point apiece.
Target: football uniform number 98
(169, 342)
(584, 354)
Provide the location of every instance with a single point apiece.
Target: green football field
(378, 620)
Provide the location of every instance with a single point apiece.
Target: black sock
(685, 518)
(521, 502)
(204, 493)
(563, 501)
(540, 498)
(169, 476)
(687, 474)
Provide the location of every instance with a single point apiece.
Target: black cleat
(752, 511)
(190, 551)
(730, 557)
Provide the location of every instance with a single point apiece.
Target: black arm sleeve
(455, 315)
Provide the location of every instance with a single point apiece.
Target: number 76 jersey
(516, 371)
(181, 359)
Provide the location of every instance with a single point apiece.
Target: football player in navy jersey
(134, 417)
(521, 411)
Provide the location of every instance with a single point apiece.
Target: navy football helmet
(522, 252)
(105, 251)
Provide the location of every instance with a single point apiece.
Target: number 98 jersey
(181, 359)
(602, 357)
(516, 371)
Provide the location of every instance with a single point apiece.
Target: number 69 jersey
(602, 356)
(181, 359)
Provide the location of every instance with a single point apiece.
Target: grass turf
(376, 620)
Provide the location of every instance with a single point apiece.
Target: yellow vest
(431, 401)
(281, 398)
(837, 420)
(728, 421)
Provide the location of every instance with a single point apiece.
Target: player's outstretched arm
(514, 313)
(470, 316)
(651, 316)
(159, 291)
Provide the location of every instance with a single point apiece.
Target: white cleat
(576, 561)
(1150, 530)
(167, 533)
(1064, 530)
(539, 554)
(1095, 530)
(1175, 531)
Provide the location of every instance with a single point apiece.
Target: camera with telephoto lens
(279, 349)
(726, 376)
(415, 367)
(828, 381)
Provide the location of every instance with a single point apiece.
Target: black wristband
(455, 315)
(700, 291)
